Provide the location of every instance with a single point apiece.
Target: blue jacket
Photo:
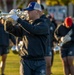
(5, 36)
(34, 37)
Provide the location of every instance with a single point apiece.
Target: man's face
(32, 14)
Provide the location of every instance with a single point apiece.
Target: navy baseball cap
(33, 6)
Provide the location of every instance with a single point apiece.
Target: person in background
(48, 55)
(4, 44)
(65, 35)
(52, 19)
(53, 41)
(34, 36)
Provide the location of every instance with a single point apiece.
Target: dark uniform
(48, 50)
(68, 48)
(34, 43)
(4, 40)
(51, 39)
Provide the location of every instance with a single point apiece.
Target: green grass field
(57, 68)
(12, 65)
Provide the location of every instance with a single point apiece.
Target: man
(48, 50)
(34, 37)
(53, 41)
(65, 34)
(4, 44)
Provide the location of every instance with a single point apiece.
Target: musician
(67, 49)
(34, 36)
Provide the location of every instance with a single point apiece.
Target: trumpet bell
(14, 50)
(56, 48)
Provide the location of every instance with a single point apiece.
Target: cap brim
(28, 9)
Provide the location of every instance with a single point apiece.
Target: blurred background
(58, 8)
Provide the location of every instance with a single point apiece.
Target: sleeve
(13, 29)
(57, 33)
(40, 29)
(72, 36)
(54, 28)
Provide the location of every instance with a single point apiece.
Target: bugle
(18, 12)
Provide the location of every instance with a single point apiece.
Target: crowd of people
(38, 34)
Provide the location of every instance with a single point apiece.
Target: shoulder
(44, 17)
(40, 20)
(59, 27)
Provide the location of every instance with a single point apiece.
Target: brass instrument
(18, 49)
(58, 46)
(19, 13)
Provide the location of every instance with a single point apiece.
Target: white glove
(13, 11)
(13, 17)
(65, 39)
(17, 12)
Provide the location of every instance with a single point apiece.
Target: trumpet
(18, 13)
(4, 14)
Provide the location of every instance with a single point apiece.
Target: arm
(39, 29)
(15, 30)
(57, 34)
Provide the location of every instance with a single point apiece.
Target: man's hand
(12, 15)
(13, 11)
